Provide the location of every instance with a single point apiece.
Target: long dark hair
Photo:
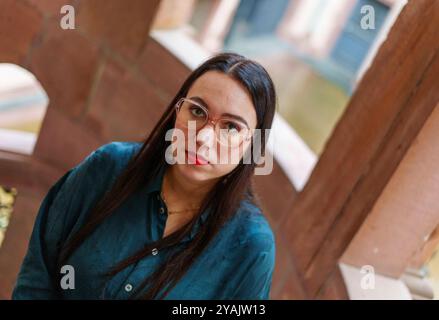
(223, 199)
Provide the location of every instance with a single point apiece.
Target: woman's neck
(184, 191)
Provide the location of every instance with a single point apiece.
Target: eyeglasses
(229, 131)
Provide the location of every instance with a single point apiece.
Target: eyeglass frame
(208, 119)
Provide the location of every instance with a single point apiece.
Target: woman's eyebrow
(200, 101)
(230, 115)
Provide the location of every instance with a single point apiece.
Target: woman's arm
(38, 270)
(35, 280)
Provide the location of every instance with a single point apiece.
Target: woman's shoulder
(110, 158)
(119, 147)
(117, 152)
(83, 185)
(101, 167)
(250, 242)
(254, 227)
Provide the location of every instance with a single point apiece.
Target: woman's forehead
(223, 94)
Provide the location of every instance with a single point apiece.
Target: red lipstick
(196, 158)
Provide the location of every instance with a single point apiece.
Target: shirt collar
(155, 188)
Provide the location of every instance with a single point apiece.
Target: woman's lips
(199, 160)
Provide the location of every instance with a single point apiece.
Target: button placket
(126, 282)
(161, 208)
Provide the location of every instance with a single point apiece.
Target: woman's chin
(193, 172)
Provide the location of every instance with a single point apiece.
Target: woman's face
(223, 97)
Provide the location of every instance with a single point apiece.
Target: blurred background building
(65, 92)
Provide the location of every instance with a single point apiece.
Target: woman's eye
(196, 111)
(232, 128)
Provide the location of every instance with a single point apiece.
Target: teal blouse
(237, 264)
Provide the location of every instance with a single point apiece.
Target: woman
(129, 223)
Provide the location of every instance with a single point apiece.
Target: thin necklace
(175, 211)
(192, 209)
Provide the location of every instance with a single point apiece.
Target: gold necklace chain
(177, 211)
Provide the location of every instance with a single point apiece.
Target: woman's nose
(206, 135)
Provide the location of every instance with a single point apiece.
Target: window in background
(23, 103)
(314, 50)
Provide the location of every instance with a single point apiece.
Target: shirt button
(162, 210)
(155, 251)
(128, 287)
